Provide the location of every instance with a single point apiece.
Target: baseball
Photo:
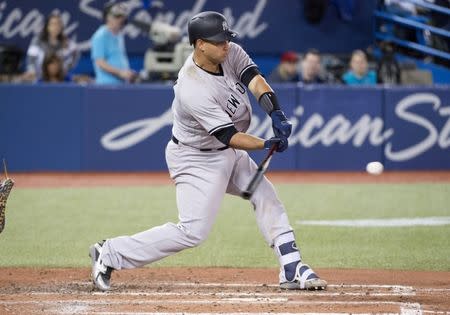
(374, 168)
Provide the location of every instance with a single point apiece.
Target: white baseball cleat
(101, 274)
(305, 279)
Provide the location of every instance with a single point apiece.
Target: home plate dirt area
(221, 290)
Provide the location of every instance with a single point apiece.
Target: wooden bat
(256, 179)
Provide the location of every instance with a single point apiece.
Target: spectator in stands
(409, 11)
(311, 68)
(388, 69)
(108, 52)
(51, 40)
(442, 21)
(287, 70)
(359, 72)
(400, 7)
(53, 70)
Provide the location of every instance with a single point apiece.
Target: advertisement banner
(257, 22)
(418, 121)
(41, 127)
(126, 128)
(338, 128)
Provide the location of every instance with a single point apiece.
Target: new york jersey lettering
(232, 105)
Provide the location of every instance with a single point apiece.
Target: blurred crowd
(360, 68)
(52, 57)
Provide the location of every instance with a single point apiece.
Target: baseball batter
(207, 158)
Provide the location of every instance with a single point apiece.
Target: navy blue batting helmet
(211, 26)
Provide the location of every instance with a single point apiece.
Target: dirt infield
(33, 180)
(219, 290)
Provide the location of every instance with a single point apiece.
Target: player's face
(216, 52)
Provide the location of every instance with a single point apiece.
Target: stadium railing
(414, 22)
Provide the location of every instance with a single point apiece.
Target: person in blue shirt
(359, 72)
(108, 48)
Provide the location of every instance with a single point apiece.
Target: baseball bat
(256, 179)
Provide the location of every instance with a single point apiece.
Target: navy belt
(175, 140)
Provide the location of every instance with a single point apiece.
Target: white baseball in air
(374, 168)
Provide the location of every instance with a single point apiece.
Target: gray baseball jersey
(204, 103)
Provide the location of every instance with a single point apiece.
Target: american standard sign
(336, 130)
(20, 22)
(257, 22)
(127, 128)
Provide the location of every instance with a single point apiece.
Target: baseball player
(207, 157)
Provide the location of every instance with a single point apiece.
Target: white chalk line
(396, 290)
(403, 311)
(73, 309)
(147, 313)
(433, 290)
(257, 294)
(388, 222)
(184, 313)
(250, 298)
(393, 287)
(283, 301)
(221, 294)
(82, 306)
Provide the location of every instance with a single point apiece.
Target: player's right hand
(282, 143)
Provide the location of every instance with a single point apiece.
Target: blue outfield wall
(91, 128)
(41, 127)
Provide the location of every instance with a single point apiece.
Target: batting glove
(282, 143)
(281, 126)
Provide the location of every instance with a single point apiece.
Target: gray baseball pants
(201, 179)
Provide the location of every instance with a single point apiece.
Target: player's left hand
(281, 126)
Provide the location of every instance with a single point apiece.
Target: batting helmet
(211, 26)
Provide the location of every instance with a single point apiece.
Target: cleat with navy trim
(305, 279)
(101, 274)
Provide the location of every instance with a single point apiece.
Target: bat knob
(246, 195)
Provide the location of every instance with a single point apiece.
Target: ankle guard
(288, 254)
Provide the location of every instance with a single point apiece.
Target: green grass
(54, 227)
